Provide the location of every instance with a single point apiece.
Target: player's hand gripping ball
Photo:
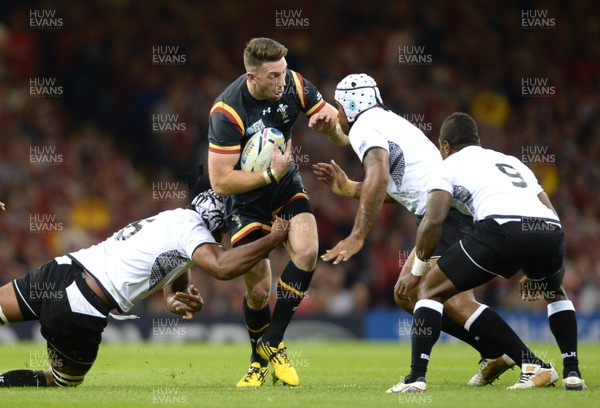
(257, 153)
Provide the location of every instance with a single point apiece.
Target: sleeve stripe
(299, 82)
(224, 149)
(230, 113)
(320, 105)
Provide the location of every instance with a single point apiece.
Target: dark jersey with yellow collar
(234, 118)
(236, 115)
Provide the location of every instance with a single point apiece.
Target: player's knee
(406, 304)
(305, 257)
(258, 296)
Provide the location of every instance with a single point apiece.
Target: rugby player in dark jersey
(269, 94)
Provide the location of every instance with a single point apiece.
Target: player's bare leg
(302, 246)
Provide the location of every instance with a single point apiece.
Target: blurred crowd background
(85, 156)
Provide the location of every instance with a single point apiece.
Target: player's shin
(23, 378)
(291, 289)
(563, 324)
(488, 325)
(485, 349)
(257, 322)
(426, 328)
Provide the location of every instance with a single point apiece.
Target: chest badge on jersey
(282, 109)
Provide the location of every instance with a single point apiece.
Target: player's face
(268, 80)
(342, 118)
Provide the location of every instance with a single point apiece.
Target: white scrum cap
(357, 93)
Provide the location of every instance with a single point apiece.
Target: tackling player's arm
(181, 297)
(372, 195)
(228, 264)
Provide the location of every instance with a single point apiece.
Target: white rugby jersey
(412, 155)
(146, 255)
(490, 184)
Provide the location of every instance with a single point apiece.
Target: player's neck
(254, 93)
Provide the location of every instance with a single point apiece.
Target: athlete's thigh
(9, 304)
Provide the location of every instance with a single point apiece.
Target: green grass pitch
(333, 374)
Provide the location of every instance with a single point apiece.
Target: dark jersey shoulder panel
(236, 115)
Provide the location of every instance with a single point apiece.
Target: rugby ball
(258, 151)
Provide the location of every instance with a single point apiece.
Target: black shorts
(249, 215)
(455, 226)
(491, 249)
(71, 315)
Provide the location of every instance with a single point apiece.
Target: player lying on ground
(398, 160)
(515, 228)
(146, 256)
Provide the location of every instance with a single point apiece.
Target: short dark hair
(459, 130)
(262, 49)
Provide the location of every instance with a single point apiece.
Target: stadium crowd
(104, 108)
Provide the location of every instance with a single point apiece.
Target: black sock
(563, 324)
(291, 289)
(426, 328)
(257, 322)
(489, 326)
(23, 378)
(485, 349)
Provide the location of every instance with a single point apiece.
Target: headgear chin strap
(211, 208)
(356, 93)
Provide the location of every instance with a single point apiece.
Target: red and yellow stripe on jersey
(299, 83)
(230, 113)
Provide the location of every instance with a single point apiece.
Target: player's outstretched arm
(336, 178)
(183, 298)
(373, 192)
(226, 265)
(326, 121)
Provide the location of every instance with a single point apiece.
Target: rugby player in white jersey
(515, 227)
(398, 160)
(72, 295)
